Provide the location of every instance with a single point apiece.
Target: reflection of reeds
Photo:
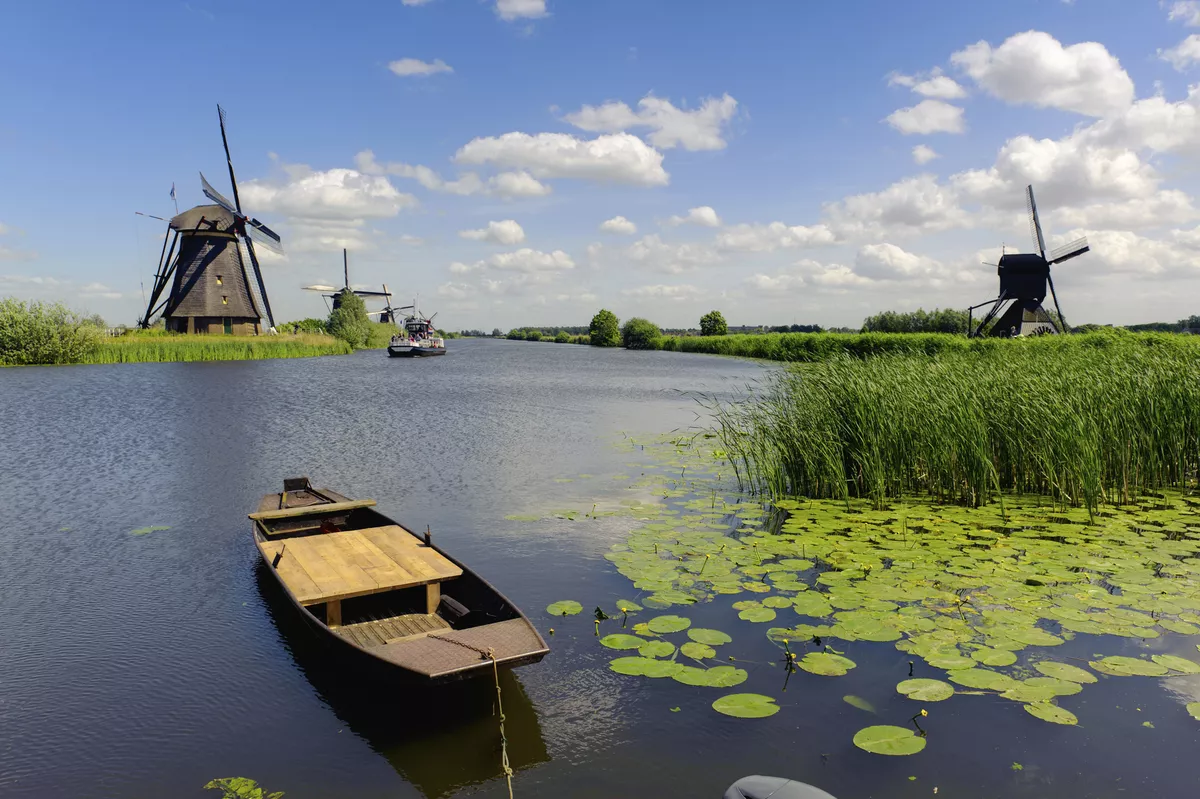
(1085, 419)
(135, 348)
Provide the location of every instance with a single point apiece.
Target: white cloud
(670, 127)
(774, 284)
(889, 262)
(704, 216)
(509, 10)
(523, 260)
(1187, 12)
(1168, 207)
(505, 184)
(1034, 68)
(935, 85)
(836, 276)
(415, 67)
(1127, 252)
(411, 241)
(653, 253)
(504, 232)
(1184, 54)
(516, 184)
(773, 236)
(616, 158)
(1153, 123)
(44, 287)
(923, 154)
(415, 2)
(928, 116)
(99, 290)
(343, 194)
(619, 225)
(455, 291)
(916, 205)
(661, 292)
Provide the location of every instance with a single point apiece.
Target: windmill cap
(189, 219)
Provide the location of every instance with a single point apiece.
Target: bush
(350, 322)
(563, 337)
(44, 333)
(640, 334)
(309, 325)
(713, 324)
(533, 335)
(920, 321)
(605, 330)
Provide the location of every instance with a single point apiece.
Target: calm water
(145, 665)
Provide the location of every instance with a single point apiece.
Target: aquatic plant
(138, 347)
(884, 739)
(566, 607)
(240, 788)
(746, 706)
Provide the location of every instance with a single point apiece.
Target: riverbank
(162, 347)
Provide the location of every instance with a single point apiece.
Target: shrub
(605, 330)
(309, 325)
(640, 334)
(563, 337)
(713, 324)
(350, 322)
(533, 335)
(44, 333)
(946, 320)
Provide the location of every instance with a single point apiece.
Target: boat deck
(378, 632)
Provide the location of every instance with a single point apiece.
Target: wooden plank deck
(379, 632)
(336, 566)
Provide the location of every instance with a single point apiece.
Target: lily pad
(1060, 687)
(994, 657)
(983, 679)
(926, 690)
(826, 664)
(567, 607)
(698, 651)
(858, 702)
(1024, 692)
(1052, 713)
(1119, 666)
(710, 637)
(716, 677)
(1064, 671)
(644, 667)
(622, 641)
(1177, 664)
(777, 602)
(757, 614)
(656, 649)
(1193, 709)
(746, 706)
(625, 606)
(668, 624)
(887, 740)
(950, 662)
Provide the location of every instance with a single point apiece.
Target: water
(146, 665)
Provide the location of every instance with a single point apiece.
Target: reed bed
(140, 348)
(1083, 419)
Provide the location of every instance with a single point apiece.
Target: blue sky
(781, 161)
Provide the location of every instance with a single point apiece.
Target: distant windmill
(1023, 281)
(334, 295)
(211, 290)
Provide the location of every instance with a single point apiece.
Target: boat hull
(415, 352)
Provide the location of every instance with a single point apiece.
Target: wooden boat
(377, 587)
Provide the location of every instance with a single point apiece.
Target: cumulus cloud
(917, 205)
(923, 154)
(616, 158)
(651, 252)
(506, 184)
(523, 260)
(704, 216)
(1187, 12)
(1034, 68)
(332, 194)
(455, 291)
(928, 116)
(701, 129)
(509, 10)
(773, 236)
(662, 292)
(416, 68)
(46, 287)
(774, 284)
(516, 184)
(506, 232)
(934, 85)
(1184, 54)
(618, 225)
(887, 262)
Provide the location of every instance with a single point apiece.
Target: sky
(527, 162)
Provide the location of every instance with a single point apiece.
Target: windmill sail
(1035, 225)
(216, 196)
(1068, 251)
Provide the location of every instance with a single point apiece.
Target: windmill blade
(217, 197)
(264, 236)
(1068, 251)
(262, 289)
(1035, 225)
(229, 160)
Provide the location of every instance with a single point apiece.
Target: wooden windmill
(210, 287)
(333, 296)
(1023, 281)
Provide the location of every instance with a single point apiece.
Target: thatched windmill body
(1024, 278)
(211, 288)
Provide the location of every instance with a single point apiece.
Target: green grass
(1086, 420)
(148, 347)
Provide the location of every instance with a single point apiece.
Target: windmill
(211, 290)
(333, 296)
(1023, 281)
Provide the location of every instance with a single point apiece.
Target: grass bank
(163, 347)
(1084, 419)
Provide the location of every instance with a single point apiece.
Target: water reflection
(438, 738)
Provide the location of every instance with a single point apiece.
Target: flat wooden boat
(377, 587)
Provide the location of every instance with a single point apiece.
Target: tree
(40, 332)
(946, 320)
(497, 332)
(640, 334)
(713, 324)
(605, 330)
(563, 337)
(349, 321)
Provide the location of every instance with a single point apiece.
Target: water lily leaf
(656, 649)
(812, 604)
(983, 679)
(757, 614)
(950, 662)
(1178, 626)
(1119, 666)
(747, 604)
(994, 657)
(1176, 663)
(1064, 671)
(777, 602)
(625, 606)
(716, 677)
(710, 637)
(668, 624)
(698, 651)
(622, 641)
(746, 706)
(926, 690)
(1034, 636)
(1059, 686)
(1024, 692)
(888, 740)
(644, 667)
(826, 664)
(567, 607)
(642, 628)
(1052, 713)
(1193, 709)
(858, 702)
